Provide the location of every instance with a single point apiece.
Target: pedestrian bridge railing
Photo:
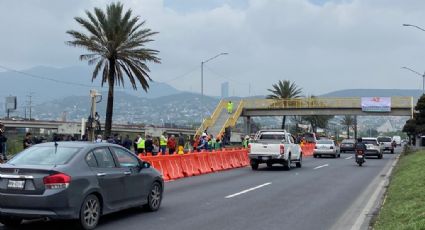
(324, 103)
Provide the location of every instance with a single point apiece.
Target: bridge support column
(355, 127)
(248, 125)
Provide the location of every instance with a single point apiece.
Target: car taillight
(282, 149)
(57, 181)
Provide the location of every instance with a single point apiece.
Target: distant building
(224, 89)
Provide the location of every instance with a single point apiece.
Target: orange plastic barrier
(174, 166)
(189, 165)
(308, 149)
(158, 163)
(177, 166)
(204, 166)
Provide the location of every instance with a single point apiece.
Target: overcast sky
(321, 45)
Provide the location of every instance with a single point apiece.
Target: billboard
(10, 103)
(376, 104)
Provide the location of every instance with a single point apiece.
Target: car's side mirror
(146, 165)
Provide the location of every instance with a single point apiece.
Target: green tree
(116, 43)
(410, 129)
(284, 90)
(348, 121)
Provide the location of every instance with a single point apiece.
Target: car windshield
(48, 155)
(325, 142)
(373, 142)
(268, 136)
(384, 139)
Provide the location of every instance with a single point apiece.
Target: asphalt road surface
(316, 196)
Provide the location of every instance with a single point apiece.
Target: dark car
(347, 145)
(76, 180)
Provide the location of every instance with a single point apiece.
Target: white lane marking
(248, 190)
(321, 166)
(348, 158)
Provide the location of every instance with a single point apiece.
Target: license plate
(16, 184)
(360, 156)
(264, 158)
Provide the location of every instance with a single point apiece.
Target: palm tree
(115, 41)
(348, 121)
(284, 90)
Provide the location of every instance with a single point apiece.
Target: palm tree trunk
(110, 103)
(283, 122)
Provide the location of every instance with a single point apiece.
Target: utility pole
(29, 104)
(91, 128)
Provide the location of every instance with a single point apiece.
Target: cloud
(321, 45)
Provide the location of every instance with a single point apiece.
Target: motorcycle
(360, 157)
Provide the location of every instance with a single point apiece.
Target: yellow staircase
(220, 119)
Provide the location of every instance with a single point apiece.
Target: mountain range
(63, 93)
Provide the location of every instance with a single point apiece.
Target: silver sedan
(325, 147)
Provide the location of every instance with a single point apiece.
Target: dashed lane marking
(321, 166)
(348, 158)
(248, 190)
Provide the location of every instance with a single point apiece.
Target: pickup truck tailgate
(264, 149)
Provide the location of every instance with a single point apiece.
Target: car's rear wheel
(254, 166)
(11, 222)
(287, 164)
(380, 156)
(154, 197)
(89, 213)
(299, 163)
(392, 150)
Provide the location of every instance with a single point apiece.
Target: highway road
(320, 195)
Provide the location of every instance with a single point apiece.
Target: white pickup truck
(274, 147)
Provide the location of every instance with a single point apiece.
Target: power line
(220, 75)
(45, 78)
(181, 75)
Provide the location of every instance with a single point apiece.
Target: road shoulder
(367, 205)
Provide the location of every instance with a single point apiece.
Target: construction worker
(140, 145)
(163, 143)
(230, 107)
(245, 142)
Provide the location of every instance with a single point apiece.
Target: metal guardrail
(300, 103)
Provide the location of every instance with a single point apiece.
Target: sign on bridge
(376, 104)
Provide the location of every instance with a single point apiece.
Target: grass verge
(404, 204)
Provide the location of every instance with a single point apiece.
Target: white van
(397, 140)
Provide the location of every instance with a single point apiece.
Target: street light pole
(422, 75)
(417, 27)
(202, 79)
(202, 70)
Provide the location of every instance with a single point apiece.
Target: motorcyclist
(360, 146)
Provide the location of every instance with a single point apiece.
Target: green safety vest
(216, 145)
(141, 144)
(229, 106)
(163, 141)
(245, 143)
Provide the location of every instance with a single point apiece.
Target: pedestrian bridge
(399, 106)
